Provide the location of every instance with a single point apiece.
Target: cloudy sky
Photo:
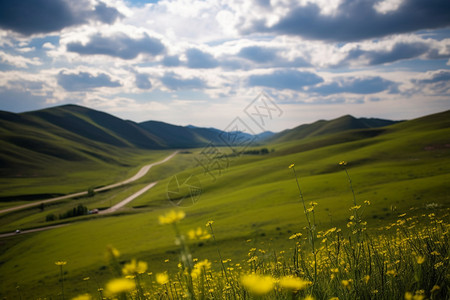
(204, 62)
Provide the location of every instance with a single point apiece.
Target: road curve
(128, 200)
(103, 212)
(142, 172)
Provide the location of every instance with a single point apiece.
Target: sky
(264, 64)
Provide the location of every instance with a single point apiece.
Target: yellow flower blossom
(60, 263)
(83, 297)
(119, 285)
(435, 288)
(172, 217)
(112, 252)
(291, 166)
(293, 283)
(342, 163)
(391, 272)
(295, 235)
(162, 278)
(258, 284)
(135, 267)
(200, 267)
(209, 223)
(366, 279)
(420, 259)
(347, 283)
(198, 234)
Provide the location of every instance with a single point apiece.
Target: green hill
(323, 127)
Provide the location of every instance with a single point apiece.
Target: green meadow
(254, 203)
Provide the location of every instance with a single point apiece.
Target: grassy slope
(402, 166)
(36, 146)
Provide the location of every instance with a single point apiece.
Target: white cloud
(18, 61)
(386, 6)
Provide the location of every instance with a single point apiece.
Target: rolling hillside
(72, 133)
(254, 202)
(323, 127)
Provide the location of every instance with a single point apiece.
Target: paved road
(138, 175)
(128, 200)
(110, 210)
(3, 235)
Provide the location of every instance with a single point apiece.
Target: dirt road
(143, 171)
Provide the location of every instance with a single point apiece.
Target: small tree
(50, 217)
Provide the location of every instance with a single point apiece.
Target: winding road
(142, 172)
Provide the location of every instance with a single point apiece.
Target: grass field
(254, 203)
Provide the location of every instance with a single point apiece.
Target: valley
(399, 167)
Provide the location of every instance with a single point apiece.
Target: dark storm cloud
(143, 82)
(119, 45)
(84, 81)
(353, 85)
(43, 16)
(258, 54)
(174, 82)
(358, 20)
(285, 79)
(198, 59)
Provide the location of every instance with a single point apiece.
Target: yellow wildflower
(83, 297)
(342, 163)
(346, 283)
(434, 289)
(291, 166)
(111, 252)
(198, 234)
(391, 272)
(200, 267)
(309, 297)
(209, 223)
(366, 279)
(135, 267)
(119, 285)
(420, 259)
(172, 217)
(293, 283)
(162, 278)
(295, 235)
(257, 284)
(60, 263)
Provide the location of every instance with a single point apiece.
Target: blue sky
(204, 62)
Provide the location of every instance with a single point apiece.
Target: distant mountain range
(75, 133)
